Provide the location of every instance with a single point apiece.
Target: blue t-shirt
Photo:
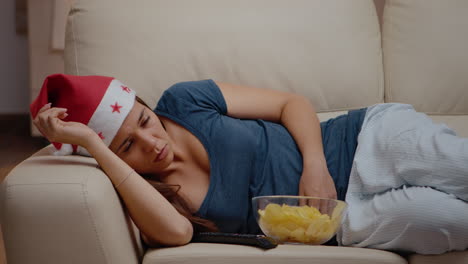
(247, 158)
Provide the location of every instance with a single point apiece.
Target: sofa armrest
(64, 209)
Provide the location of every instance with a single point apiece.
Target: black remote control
(260, 241)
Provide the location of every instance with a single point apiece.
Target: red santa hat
(100, 102)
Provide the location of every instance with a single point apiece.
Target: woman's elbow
(177, 237)
(183, 235)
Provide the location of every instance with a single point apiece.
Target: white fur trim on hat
(65, 149)
(114, 107)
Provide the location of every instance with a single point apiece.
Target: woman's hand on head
(50, 124)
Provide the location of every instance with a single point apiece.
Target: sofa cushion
(425, 54)
(205, 253)
(456, 257)
(329, 51)
(459, 123)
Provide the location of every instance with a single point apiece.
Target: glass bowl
(298, 219)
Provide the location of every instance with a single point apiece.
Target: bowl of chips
(298, 219)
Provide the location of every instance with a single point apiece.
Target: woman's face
(142, 142)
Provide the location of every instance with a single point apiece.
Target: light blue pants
(408, 188)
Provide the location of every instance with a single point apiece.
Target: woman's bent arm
(298, 115)
(156, 218)
(154, 215)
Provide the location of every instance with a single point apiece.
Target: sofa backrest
(329, 51)
(426, 59)
(426, 54)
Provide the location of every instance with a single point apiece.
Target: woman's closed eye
(129, 142)
(128, 145)
(145, 121)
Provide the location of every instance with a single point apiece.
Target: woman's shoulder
(203, 93)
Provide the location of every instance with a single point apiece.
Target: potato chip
(303, 224)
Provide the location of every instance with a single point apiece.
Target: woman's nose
(148, 141)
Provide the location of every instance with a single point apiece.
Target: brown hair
(170, 192)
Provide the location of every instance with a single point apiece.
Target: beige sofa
(65, 210)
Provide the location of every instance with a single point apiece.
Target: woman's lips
(161, 154)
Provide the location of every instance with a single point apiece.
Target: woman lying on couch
(194, 163)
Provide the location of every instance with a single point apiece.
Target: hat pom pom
(65, 149)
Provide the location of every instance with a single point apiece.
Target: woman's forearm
(152, 213)
(300, 118)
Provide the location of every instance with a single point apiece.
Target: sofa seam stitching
(74, 45)
(387, 72)
(101, 249)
